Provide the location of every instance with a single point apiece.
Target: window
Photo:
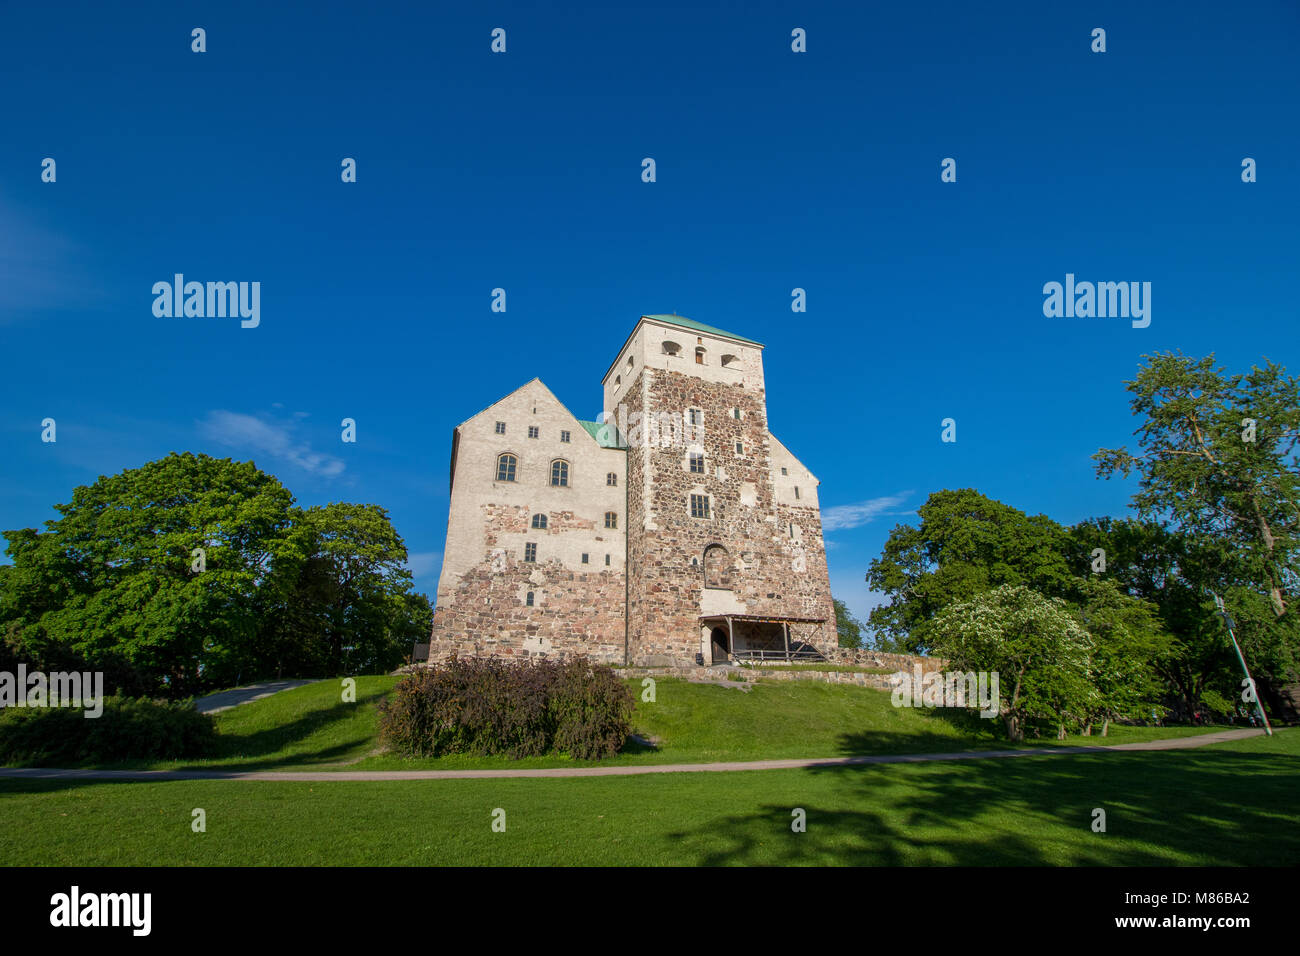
(618, 382)
(730, 361)
(611, 519)
(506, 465)
(529, 602)
(606, 559)
(784, 472)
(532, 431)
(671, 348)
(697, 462)
(611, 479)
(530, 552)
(699, 356)
(584, 559)
(792, 529)
(564, 437)
(740, 448)
(796, 492)
(697, 416)
(560, 473)
(539, 521)
(501, 428)
(629, 362)
(735, 413)
(699, 506)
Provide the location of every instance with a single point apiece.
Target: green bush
(130, 728)
(487, 706)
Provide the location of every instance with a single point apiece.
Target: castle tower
(725, 555)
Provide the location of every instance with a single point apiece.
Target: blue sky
(522, 170)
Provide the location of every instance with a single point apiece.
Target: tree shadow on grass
(273, 740)
(1166, 808)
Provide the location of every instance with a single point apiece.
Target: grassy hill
(1227, 803)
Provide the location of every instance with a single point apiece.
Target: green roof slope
(606, 437)
(685, 323)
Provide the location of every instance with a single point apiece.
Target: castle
(677, 531)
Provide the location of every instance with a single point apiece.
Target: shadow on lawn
(275, 739)
(1220, 808)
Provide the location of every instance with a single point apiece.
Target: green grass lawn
(311, 728)
(1228, 804)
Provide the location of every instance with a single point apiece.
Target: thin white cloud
(271, 438)
(843, 517)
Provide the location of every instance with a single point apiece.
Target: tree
(1126, 641)
(153, 569)
(966, 544)
(1035, 644)
(847, 626)
(193, 572)
(1219, 460)
(349, 600)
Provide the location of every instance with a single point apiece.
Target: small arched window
(671, 348)
(506, 467)
(560, 473)
(539, 521)
(630, 363)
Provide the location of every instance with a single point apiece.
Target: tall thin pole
(1254, 691)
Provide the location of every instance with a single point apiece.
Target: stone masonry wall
(776, 549)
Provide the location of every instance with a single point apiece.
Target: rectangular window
(796, 492)
(584, 559)
(740, 448)
(735, 413)
(784, 472)
(532, 431)
(697, 416)
(697, 463)
(607, 559)
(564, 436)
(611, 479)
(530, 552)
(611, 519)
(501, 428)
(699, 506)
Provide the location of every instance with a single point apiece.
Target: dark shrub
(487, 706)
(128, 729)
(592, 709)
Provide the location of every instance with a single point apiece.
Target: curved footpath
(1172, 743)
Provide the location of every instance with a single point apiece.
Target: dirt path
(315, 776)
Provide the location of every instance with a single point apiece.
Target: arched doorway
(720, 642)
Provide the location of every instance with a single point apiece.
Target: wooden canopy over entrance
(754, 654)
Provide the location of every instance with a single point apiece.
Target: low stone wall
(893, 662)
(865, 657)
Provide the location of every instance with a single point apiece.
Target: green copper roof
(606, 436)
(685, 323)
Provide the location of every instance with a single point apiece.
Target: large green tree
(1035, 644)
(155, 568)
(193, 572)
(965, 544)
(1218, 459)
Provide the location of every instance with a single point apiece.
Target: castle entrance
(720, 641)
